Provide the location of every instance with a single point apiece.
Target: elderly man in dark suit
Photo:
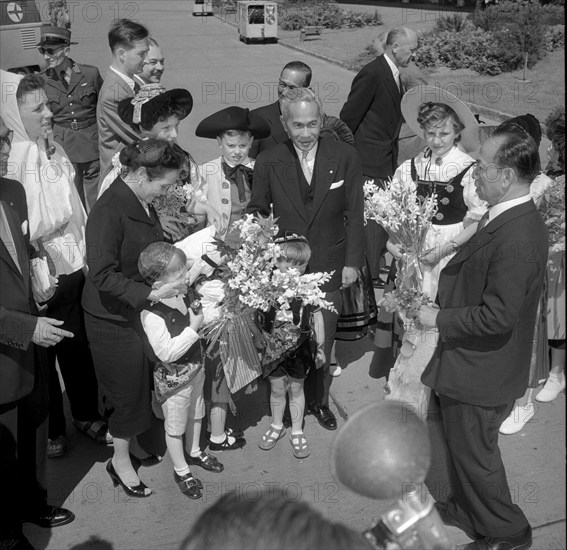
(314, 187)
(373, 113)
(129, 44)
(72, 92)
(488, 298)
(23, 373)
(295, 74)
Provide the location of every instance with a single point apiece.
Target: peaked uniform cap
(233, 118)
(54, 36)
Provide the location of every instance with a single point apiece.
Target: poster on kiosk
(258, 21)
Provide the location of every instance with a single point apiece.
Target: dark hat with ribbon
(150, 99)
(54, 36)
(233, 118)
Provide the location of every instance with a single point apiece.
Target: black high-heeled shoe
(150, 460)
(137, 491)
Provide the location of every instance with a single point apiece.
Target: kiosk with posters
(202, 7)
(258, 21)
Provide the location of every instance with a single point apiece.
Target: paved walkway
(205, 56)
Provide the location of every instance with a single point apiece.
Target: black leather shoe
(150, 460)
(450, 520)
(50, 516)
(137, 491)
(189, 486)
(521, 541)
(325, 417)
(226, 446)
(206, 461)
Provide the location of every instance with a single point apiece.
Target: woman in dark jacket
(120, 225)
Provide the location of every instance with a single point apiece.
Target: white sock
(182, 471)
(222, 438)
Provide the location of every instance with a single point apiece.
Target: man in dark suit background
(373, 113)
(129, 44)
(314, 187)
(488, 298)
(295, 74)
(23, 372)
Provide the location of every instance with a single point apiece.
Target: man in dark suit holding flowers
(487, 302)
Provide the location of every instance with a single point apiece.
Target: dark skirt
(359, 308)
(124, 375)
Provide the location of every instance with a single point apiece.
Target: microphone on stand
(383, 452)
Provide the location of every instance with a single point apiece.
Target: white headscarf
(56, 214)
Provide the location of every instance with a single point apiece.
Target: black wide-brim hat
(54, 36)
(233, 118)
(150, 99)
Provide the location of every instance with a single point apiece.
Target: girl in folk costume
(157, 113)
(443, 168)
(57, 233)
(226, 181)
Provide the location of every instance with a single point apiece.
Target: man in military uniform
(72, 91)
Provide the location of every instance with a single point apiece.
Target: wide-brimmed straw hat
(415, 97)
(151, 98)
(233, 118)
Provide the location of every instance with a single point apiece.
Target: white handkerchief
(25, 227)
(337, 184)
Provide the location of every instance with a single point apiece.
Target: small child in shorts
(171, 327)
(289, 374)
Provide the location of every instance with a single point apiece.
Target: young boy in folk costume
(287, 373)
(171, 327)
(226, 181)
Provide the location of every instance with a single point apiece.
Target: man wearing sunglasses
(72, 91)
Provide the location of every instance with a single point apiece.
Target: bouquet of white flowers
(253, 282)
(406, 217)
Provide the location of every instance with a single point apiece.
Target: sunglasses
(7, 139)
(50, 51)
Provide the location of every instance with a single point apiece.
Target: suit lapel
(289, 179)
(391, 85)
(18, 246)
(481, 238)
(323, 176)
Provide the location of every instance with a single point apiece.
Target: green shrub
(324, 14)
(474, 49)
(555, 38)
(453, 23)
(553, 14)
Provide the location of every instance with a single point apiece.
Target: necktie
(241, 176)
(136, 87)
(401, 84)
(305, 167)
(483, 221)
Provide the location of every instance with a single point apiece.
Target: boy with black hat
(226, 181)
(72, 92)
